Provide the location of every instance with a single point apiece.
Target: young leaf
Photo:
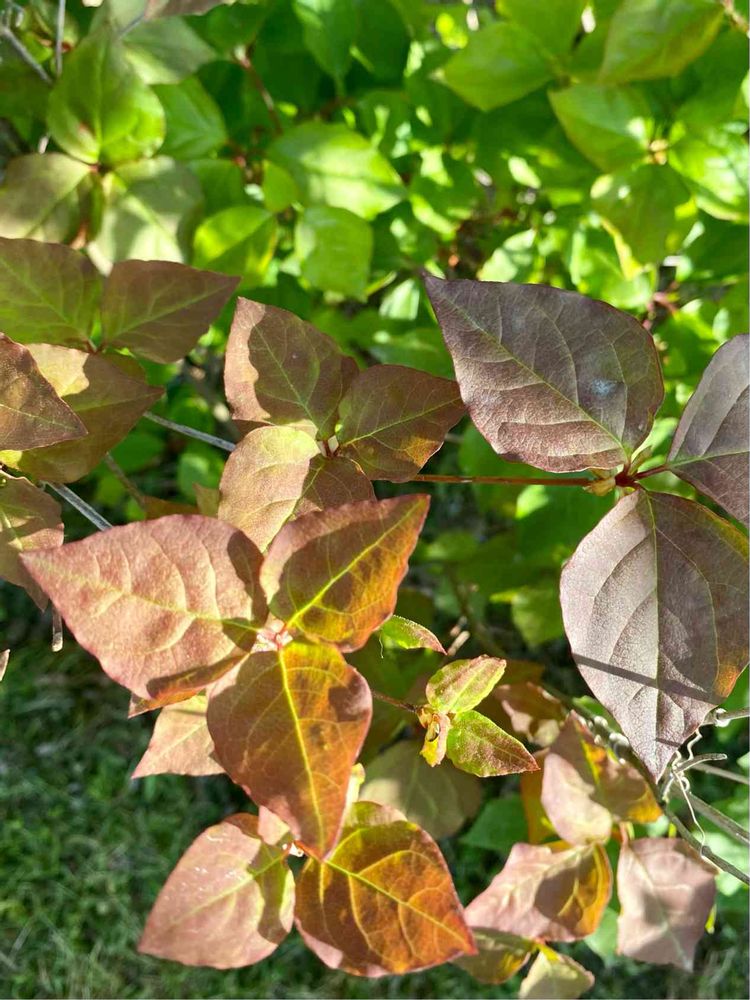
(239, 239)
(414, 906)
(281, 370)
(666, 894)
(461, 685)
(159, 309)
(394, 418)
(276, 473)
(42, 197)
(108, 395)
(584, 789)
(334, 574)
(228, 903)
(288, 725)
(477, 745)
(710, 446)
(439, 799)
(29, 519)
(406, 634)
(555, 975)
(550, 377)
(334, 248)
(32, 415)
(180, 742)
(499, 956)
(48, 293)
(656, 660)
(555, 892)
(164, 605)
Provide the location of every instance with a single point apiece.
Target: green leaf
(329, 27)
(238, 240)
(714, 164)
(332, 165)
(405, 634)
(461, 685)
(194, 123)
(554, 23)
(535, 609)
(501, 63)
(499, 826)
(166, 51)
(48, 293)
(334, 248)
(99, 110)
(477, 745)
(43, 197)
(443, 192)
(651, 38)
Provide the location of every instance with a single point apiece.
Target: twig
(722, 717)
(217, 442)
(719, 819)
(252, 72)
(59, 32)
(741, 779)
(130, 486)
(24, 54)
(505, 480)
(393, 701)
(706, 852)
(80, 505)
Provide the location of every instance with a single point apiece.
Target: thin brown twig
(506, 480)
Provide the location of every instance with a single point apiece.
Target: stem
(393, 701)
(718, 819)
(59, 31)
(506, 480)
(652, 472)
(24, 54)
(217, 442)
(702, 850)
(80, 505)
(741, 779)
(252, 72)
(130, 486)
(722, 717)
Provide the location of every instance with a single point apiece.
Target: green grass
(84, 851)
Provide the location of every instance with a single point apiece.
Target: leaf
(166, 51)
(228, 903)
(714, 164)
(461, 685)
(648, 39)
(99, 110)
(334, 248)
(438, 799)
(107, 396)
(42, 197)
(501, 63)
(555, 977)
(499, 826)
(554, 23)
(329, 28)
(237, 240)
(549, 377)
(281, 370)
(180, 742)
(666, 894)
(31, 413)
(388, 868)
(477, 745)
(528, 710)
(164, 605)
(530, 784)
(171, 8)
(159, 309)
(29, 519)
(276, 473)
(48, 293)
(710, 446)
(554, 892)
(405, 634)
(332, 165)
(193, 121)
(393, 418)
(673, 640)
(499, 958)
(334, 574)
(584, 789)
(288, 725)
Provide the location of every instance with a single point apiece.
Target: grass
(84, 851)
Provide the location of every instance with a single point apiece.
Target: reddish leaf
(554, 891)
(584, 789)
(710, 447)
(555, 977)
(384, 902)
(499, 956)
(406, 634)
(538, 825)
(666, 894)
(440, 799)
(164, 605)
(31, 413)
(108, 396)
(393, 418)
(550, 377)
(654, 602)
(228, 903)
(29, 519)
(281, 370)
(276, 473)
(155, 507)
(180, 742)
(159, 309)
(461, 685)
(334, 574)
(139, 706)
(527, 709)
(477, 745)
(288, 725)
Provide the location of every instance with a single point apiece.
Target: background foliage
(327, 152)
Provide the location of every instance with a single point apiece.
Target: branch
(718, 819)
(59, 32)
(129, 486)
(393, 701)
(506, 480)
(80, 505)
(721, 773)
(702, 850)
(217, 442)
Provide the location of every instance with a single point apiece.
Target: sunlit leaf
(42, 197)
(550, 378)
(500, 956)
(164, 605)
(530, 784)
(477, 745)
(554, 892)
(288, 725)
(394, 418)
(166, 51)
(334, 248)
(710, 446)
(172, 8)
(527, 709)
(555, 977)
(409, 635)
(384, 902)
(194, 123)
(555, 23)
(29, 519)
(673, 638)
(237, 240)
(334, 574)
(666, 894)
(180, 742)
(329, 28)
(229, 902)
(461, 685)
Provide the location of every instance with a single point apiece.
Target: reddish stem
(506, 480)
